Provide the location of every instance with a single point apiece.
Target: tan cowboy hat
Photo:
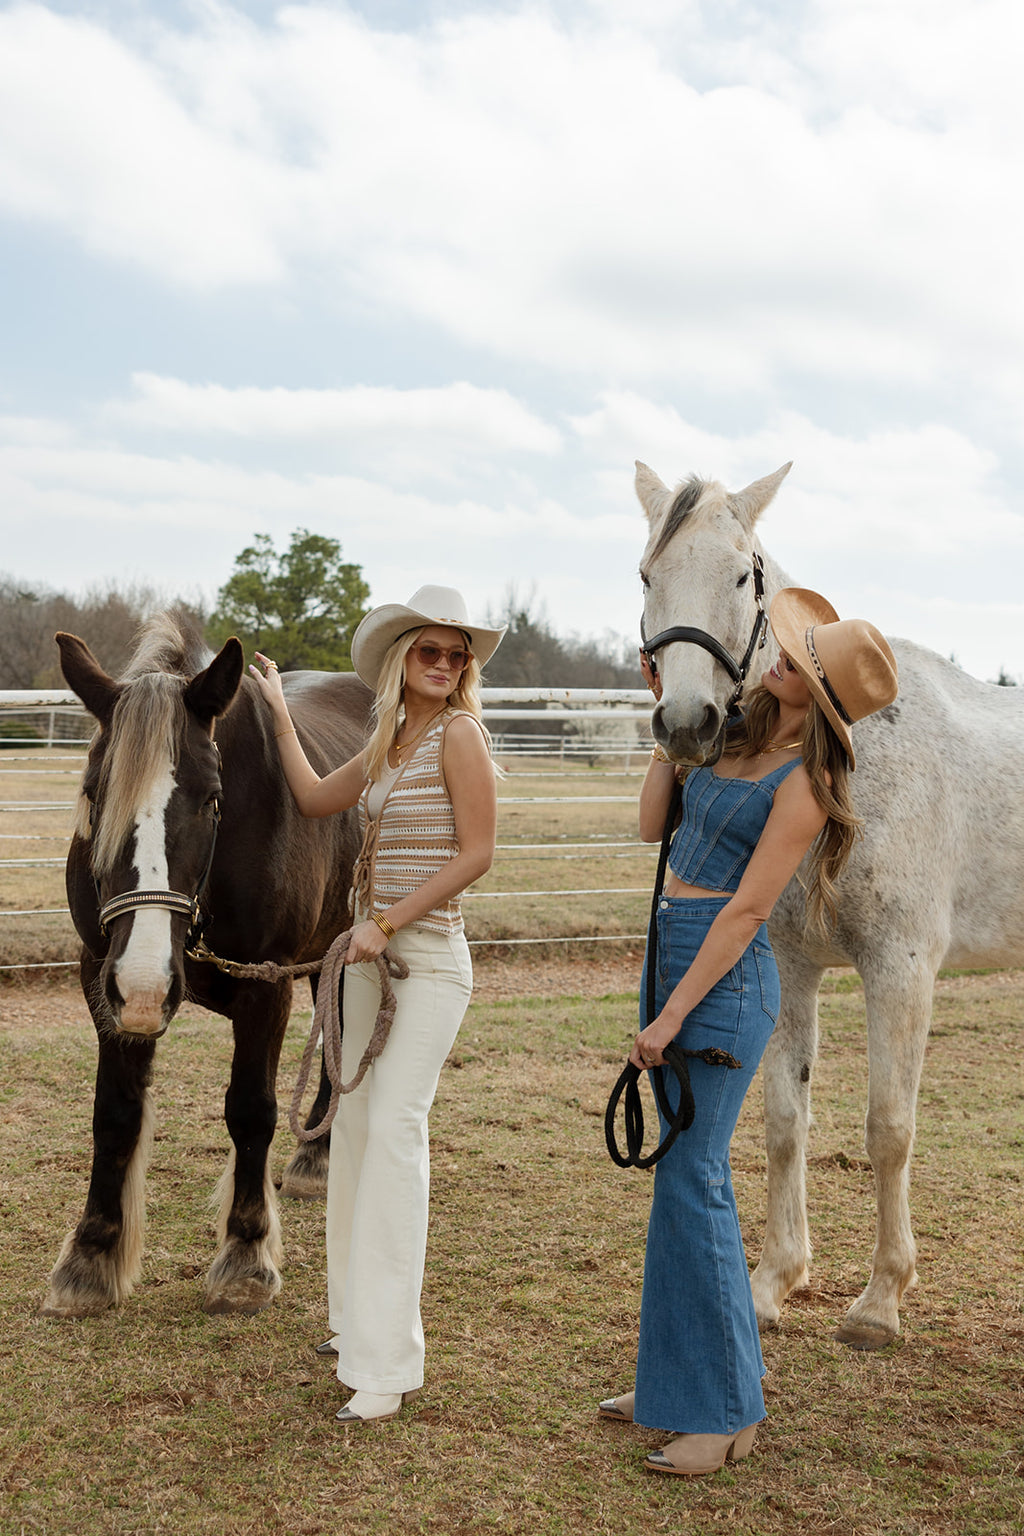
(381, 627)
(846, 663)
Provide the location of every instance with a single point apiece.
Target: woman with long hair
(779, 792)
(425, 784)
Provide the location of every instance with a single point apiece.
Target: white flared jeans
(378, 1183)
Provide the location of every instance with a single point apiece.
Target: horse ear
(84, 675)
(654, 495)
(749, 504)
(209, 693)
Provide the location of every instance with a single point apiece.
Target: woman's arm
(469, 774)
(313, 795)
(655, 798)
(796, 819)
(659, 781)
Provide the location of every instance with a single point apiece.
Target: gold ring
(271, 664)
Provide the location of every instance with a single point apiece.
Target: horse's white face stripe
(145, 965)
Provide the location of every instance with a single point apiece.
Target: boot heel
(742, 1445)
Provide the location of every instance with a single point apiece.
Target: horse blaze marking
(144, 969)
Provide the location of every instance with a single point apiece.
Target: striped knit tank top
(412, 837)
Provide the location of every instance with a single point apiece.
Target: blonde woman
(425, 784)
(779, 790)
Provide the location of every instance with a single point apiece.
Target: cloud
(475, 420)
(611, 216)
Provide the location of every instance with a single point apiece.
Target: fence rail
(593, 735)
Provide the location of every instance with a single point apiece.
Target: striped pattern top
(412, 837)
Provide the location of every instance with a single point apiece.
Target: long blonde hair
(387, 713)
(825, 760)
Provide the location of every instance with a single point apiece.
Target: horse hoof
(305, 1177)
(245, 1296)
(298, 1185)
(81, 1307)
(864, 1335)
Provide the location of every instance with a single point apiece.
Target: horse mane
(687, 497)
(147, 725)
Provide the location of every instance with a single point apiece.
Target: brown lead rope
(326, 1016)
(327, 1021)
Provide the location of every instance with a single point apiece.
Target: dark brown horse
(186, 822)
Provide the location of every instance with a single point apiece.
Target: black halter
(736, 670)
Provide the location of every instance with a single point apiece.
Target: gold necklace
(780, 746)
(407, 746)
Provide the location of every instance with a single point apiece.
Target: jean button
(664, 906)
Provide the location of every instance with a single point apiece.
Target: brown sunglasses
(457, 659)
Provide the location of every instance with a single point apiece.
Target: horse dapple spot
(935, 880)
(185, 821)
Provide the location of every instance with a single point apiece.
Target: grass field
(157, 1418)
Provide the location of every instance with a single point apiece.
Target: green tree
(300, 607)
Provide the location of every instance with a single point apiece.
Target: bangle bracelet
(660, 755)
(383, 924)
(291, 731)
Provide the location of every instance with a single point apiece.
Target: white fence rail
(592, 734)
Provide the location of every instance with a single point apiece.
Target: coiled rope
(326, 1017)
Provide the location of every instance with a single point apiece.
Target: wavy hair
(387, 714)
(828, 769)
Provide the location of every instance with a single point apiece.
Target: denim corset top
(722, 821)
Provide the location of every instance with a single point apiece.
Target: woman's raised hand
(650, 677)
(269, 680)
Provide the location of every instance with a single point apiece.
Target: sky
(428, 277)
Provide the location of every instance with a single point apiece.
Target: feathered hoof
(85, 1282)
(864, 1335)
(247, 1295)
(63, 1301)
(305, 1177)
(240, 1280)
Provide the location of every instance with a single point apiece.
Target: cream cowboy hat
(846, 663)
(382, 626)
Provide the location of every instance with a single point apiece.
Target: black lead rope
(680, 1118)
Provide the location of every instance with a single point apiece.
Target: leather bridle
(169, 901)
(684, 633)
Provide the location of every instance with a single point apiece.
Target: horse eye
(645, 582)
(743, 579)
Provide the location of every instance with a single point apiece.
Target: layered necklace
(407, 746)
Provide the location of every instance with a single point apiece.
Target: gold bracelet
(291, 731)
(660, 755)
(383, 924)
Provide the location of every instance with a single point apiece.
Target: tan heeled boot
(696, 1455)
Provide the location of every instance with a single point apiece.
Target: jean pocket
(768, 982)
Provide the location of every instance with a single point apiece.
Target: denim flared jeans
(699, 1364)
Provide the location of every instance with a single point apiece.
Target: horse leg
(101, 1259)
(786, 1067)
(305, 1177)
(899, 1009)
(244, 1277)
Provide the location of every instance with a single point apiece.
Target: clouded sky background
(427, 277)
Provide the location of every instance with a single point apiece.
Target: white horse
(937, 879)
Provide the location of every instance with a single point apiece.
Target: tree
(300, 607)
(107, 617)
(531, 654)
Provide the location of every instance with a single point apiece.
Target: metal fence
(543, 739)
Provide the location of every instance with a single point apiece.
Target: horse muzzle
(692, 738)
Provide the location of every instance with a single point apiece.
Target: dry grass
(159, 1418)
